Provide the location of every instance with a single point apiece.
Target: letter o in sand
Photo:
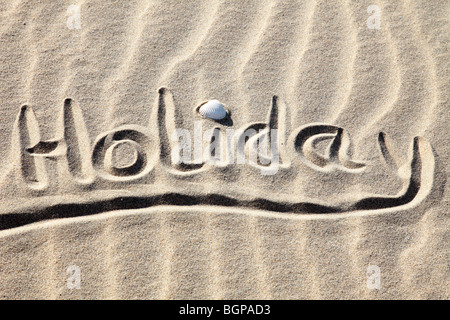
(124, 153)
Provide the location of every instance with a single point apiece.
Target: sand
(93, 205)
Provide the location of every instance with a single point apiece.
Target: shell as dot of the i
(213, 109)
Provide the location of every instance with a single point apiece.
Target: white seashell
(213, 109)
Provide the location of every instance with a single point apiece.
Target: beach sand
(357, 207)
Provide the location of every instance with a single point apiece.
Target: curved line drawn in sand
(271, 133)
(338, 152)
(148, 154)
(140, 147)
